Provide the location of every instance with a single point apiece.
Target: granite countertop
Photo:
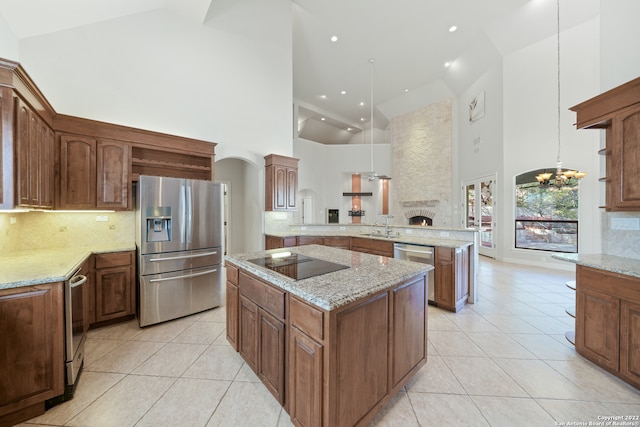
(611, 263)
(368, 274)
(33, 267)
(412, 240)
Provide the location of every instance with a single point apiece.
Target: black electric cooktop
(298, 266)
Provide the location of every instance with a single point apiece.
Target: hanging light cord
(558, 40)
(371, 61)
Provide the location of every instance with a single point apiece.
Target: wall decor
(476, 107)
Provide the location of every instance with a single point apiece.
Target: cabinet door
(233, 301)
(597, 327)
(47, 173)
(310, 240)
(113, 181)
(113, 293)
(409, 328)
(280, 188)
(23, 154)
(249, 332)
(630, 342)
(305, 380)
(461, 277)
(77, 172)
(445, 278)
(271, 354)
(625, 160)
(292, 188)
(32, 346)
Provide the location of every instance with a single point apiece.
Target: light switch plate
(102, 218)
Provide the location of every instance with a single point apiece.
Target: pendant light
(561, 178)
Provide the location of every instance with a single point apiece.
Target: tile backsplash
(620, 242)
(40, 230)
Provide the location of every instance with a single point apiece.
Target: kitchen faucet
(386, 225)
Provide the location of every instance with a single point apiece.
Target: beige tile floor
(501, 362)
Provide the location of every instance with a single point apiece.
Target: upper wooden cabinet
(617, 111)
(94, 174)
(281, 183)
(34, 175)
(52, 160)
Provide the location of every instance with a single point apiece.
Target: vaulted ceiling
(410, 41)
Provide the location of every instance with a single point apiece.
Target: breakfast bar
(333, 334)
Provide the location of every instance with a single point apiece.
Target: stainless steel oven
(418, 253)
(76, 325)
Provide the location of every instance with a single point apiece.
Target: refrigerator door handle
(183, 257)
(185, 276)
(189, 214)
(183, 214)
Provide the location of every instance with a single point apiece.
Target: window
(546, 216)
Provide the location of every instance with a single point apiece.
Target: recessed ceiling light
(323, 119)
(452, 28)
(362, 119)
(349, 129)
(343, 92)
(323, 96)
(362, 103)
(447, 64)
(406, 90)
(334, 38)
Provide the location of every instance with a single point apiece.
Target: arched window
(546, 216)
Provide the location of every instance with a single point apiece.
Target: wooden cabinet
(31, 350)
(310, 240)
(306, 380)
(630, 341)
(342, 242)
(114, 286)
(276, 242)
(281, 183)
(233, 305)
(262, 332)
(451, 277)
(372, 246)
(34, 168)
(94, 174)
(617, 111)
(608, 321)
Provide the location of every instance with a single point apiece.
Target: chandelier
(561, 177)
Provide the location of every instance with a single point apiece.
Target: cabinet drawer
(115, 259)
(306, 318)
(267, 297)
(444, 254)
(232, 274)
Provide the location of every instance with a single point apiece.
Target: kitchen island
(332, 348)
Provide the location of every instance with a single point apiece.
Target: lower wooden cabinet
(31, 350)
(630, 341)
(608, 321)
(114, 285)
(262, 332)
(451, 277)
(342, 242)
(232, 305)
(276, 242)
(372, 246)
(306, 358)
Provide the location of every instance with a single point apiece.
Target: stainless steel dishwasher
(421, 254)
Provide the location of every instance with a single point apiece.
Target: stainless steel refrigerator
(179, 235)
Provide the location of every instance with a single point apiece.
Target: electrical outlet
(102, 218)
(409, 231)
(625, 223)
(444, 234)
(343, 228)
(12, 220)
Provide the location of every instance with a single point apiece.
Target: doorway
(479, 207)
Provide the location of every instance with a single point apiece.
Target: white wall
(530, 126)
(149, 71)
(9, 48)
(326, 170)
(620, 52)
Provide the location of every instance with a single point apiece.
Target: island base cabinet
(271, 354)
(305, 365)
(31, 350)
(597, 332)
